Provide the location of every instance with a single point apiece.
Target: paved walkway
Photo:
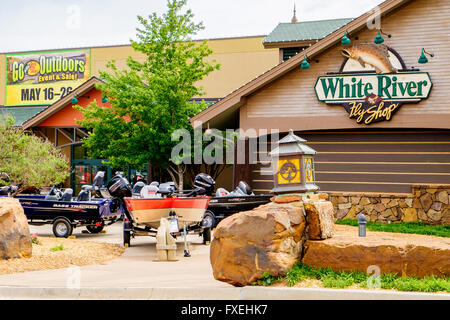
(137, 267)
(137, 275)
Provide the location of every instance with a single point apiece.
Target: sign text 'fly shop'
(373, 96)
(43, 78)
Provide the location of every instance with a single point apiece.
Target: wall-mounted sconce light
(423, 58)
(379, 39)
(74, 100)
(305, 64)
(345, 39)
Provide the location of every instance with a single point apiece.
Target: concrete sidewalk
(191, 293)
(137, 267)
(137, 275)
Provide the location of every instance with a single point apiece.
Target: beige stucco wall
(241, 60)
(2, 79)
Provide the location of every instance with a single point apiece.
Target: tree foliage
(27, 160)
(150, 98)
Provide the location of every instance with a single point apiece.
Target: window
(290, 52)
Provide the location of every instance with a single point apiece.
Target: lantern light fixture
(379, 39)
(423, 58)
(293, 166)
(345, 39)
(305, 63)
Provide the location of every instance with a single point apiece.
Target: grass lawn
(403, 227)
(344, 279)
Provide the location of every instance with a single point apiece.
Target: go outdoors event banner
(44, 77)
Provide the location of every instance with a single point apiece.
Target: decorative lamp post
(293, 166)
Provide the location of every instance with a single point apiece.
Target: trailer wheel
(62, 228)
(94, 229)
(206, 235)
(209, 219)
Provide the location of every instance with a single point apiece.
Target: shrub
(57, 248)
(34, 239)
(344, 279)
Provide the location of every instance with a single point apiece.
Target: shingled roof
(22, 114)
(306, 30)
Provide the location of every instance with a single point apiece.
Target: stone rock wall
(427, 203)
(15, 239)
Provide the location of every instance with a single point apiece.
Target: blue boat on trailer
(93, 208)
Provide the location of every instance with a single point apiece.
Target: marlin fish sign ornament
(373, 83)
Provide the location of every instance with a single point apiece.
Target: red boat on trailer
(143, 212)
(149, 212)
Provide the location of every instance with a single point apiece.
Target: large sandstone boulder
(403, 254)
(266, 239)
(15, 239)
(320, 219)
(319, 213)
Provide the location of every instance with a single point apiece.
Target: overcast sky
(53, 24)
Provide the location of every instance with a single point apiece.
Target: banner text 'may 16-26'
(43, 78)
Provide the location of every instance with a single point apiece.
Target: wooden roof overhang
(61, 103)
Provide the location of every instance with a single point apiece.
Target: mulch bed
(75, 253)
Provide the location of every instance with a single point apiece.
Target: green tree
(27, 160)
(150, 98)
(207, 152)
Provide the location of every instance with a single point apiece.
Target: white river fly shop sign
(373, 84)
(44, 77)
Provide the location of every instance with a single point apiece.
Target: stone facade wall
(426, 203)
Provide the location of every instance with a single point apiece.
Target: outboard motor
(119, 187)
(67, 195)
(202, 180)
